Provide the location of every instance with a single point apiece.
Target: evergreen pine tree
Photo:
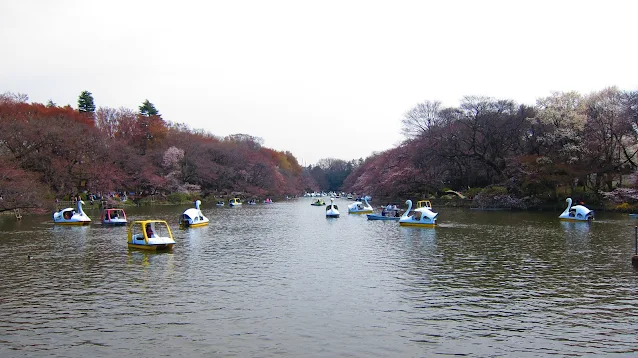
(148, 109)
(85, 102)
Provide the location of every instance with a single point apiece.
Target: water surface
(281, 280)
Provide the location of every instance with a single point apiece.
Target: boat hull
(381, 217)
(360, 211)
(78, 223)
(575, 220)
(416, 224)
(200, 224)
(150, 247)
(114, 223)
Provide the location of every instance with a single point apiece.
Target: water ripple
(281, 280)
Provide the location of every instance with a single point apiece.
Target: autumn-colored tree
(151, 128)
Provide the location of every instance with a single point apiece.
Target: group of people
(390, 210)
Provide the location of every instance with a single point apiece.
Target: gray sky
(322, 79)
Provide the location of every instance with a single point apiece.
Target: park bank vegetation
(495, 151)
(513, 155)
(49, 152)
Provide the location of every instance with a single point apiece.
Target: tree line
(485, 147)
(585, 144)
(49, 152)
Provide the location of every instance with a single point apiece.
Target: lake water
(281, 280)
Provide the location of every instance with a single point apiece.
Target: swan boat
(70, 216)
(422, 216)
(332, 211)
(193, 217)
(576, 212)
(113, 217)
(268, 201)
(220, 203)
(360, 207)
(234, 202)
(154, 235)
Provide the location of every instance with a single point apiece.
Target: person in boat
(149, 230)
(383, 212)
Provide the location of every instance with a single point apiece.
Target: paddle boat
(359, 207)
(268, 201)
(319, 202)
(234, 202)
(220, 203)
(193, 217)
(576, 212)
(387, 213)
(113, 217)
(332, 211)
(70, 216)
(252, 202)
(154, 235)
(422, 216)
(389, 217)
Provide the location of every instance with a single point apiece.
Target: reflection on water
(281, 280)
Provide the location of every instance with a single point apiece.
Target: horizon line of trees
(567, 140)
(49, 152)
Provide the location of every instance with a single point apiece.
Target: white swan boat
(71, 216)
(332, 211)
(113, 217)
(422, 216)
(576, 212)
(360, 207)
(193, 217)
(151, 235)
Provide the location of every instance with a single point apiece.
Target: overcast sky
(321, 79)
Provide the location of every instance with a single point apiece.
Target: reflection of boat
(359, 207)
(332, 211)
(193, 217)
(150, 235)
(422, 216)
(220, 203)
(70, 216)
(576, 212)
(113, 217)
(319, 202)
(234, 202)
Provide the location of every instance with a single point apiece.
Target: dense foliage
(49, 152)
(567, 141)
